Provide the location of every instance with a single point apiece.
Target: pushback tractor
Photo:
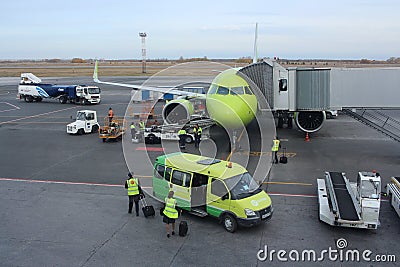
(342, 203)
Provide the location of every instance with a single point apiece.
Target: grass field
(115, 68)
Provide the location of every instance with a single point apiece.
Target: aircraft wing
(150, 88)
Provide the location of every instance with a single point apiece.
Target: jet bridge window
(237, 91)
(222, 90)
(283, 85)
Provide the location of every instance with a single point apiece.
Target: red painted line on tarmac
(60, 182)
(158, 149)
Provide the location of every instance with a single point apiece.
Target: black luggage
(148, 210)
(183, 228)
(283, 158)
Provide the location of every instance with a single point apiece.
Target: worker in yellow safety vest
(197, 130)
(133, 130)
(142, 126)
(134, 192)
(276, 144)
(170, 213)
(182, 136)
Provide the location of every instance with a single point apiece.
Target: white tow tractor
(86, 122)
(393, 191)
(346, 204)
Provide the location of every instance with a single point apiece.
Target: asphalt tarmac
(63, 202)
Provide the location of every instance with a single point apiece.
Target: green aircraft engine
(178, 110)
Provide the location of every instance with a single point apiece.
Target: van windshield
(242, 186)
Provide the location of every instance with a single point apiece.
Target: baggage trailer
(346, 204)
(393, 191)
(112, 130)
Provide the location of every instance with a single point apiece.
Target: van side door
(218, 197)
(180, 182)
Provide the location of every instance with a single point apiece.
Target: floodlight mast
(143, 35)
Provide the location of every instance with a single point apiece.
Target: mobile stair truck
(32, 89)
(113, 130)
(346, 204)
(393, 191)
(86, 122)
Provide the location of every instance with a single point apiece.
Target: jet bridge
(306, 93)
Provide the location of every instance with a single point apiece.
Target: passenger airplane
(229, 100)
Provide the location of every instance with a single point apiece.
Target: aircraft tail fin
(255, 56)
(95, 71)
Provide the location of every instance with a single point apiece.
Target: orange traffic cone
(307, 138)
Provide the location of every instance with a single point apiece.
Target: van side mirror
(226, 196)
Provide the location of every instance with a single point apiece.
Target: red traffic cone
(307, 138)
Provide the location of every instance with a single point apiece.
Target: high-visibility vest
(275, 146)
(181, 132)
(133, 187)
(133, 126)
(169, 209)
(194, 130)
(142, 125)
(199, 130)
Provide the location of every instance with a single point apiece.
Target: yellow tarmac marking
(233, 150)
(288, 183)
(144, 176)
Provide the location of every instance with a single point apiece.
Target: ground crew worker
(197, 135)
(110, 115)
(170, 213)
(182, 136)
(134, 193)
(133, 130)
(142, 126)
(276, 144)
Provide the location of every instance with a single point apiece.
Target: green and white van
(206, 186)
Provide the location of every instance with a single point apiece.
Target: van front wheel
(230, 223)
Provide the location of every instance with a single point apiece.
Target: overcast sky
(338, 29)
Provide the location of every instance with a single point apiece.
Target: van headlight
(249, 212)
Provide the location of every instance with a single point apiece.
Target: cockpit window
(247, 90)
(213, 89)
(237, 91)
(222, 90)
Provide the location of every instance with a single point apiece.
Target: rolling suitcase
(148, 210)
(283, 158)
(183, 228)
